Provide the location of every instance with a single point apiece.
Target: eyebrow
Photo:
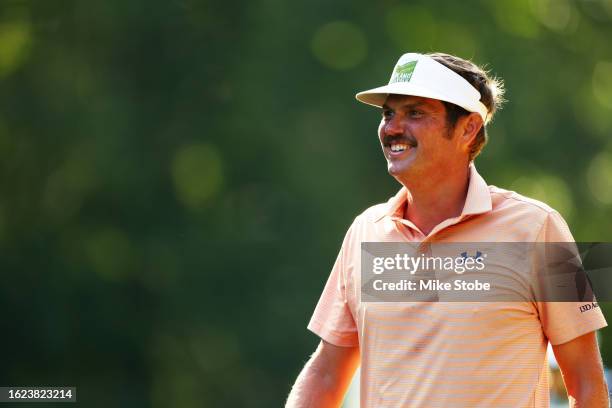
(407, 105)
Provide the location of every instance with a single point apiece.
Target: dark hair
(491, 95)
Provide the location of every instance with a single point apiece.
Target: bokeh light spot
(339, 45)
(549, 189)
(457, 39)
(111, 254)
(553, 14)
(411, 26)
(599, 177)
(514, 17)
(607, 4)
(602, 83)
(67, 187)
(592, 117)
(197, 174)
(15, 40)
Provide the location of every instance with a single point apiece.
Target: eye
(415, 113)
(387, 113)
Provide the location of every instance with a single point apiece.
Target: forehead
(395, 101)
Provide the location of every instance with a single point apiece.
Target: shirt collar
(477, 200)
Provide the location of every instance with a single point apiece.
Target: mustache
(405, 139)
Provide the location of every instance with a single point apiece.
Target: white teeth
(398, 147)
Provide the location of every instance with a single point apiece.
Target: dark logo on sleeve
(589, 306)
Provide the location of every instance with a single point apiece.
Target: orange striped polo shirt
(450, 354)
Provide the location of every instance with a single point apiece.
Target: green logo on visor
(403, 72)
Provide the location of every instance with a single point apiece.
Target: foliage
(177, 176)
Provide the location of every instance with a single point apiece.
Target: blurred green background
(177, 176)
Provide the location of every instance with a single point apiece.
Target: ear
(470, 126)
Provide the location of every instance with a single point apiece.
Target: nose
(391, 126)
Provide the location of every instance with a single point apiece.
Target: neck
(436, 199)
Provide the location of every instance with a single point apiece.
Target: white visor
(420, 75)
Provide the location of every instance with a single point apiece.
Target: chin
(392, 171)
(395, 170)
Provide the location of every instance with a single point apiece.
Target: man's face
(415, 138)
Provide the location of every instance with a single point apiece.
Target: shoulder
(502, 198)
(523, 210)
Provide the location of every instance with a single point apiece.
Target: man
(445, 354)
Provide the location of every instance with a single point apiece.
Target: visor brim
(378, 96)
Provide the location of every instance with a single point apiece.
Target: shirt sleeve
(565, 321)
(332, 319)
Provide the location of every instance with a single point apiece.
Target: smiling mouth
(399, 147)
(398, 144)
